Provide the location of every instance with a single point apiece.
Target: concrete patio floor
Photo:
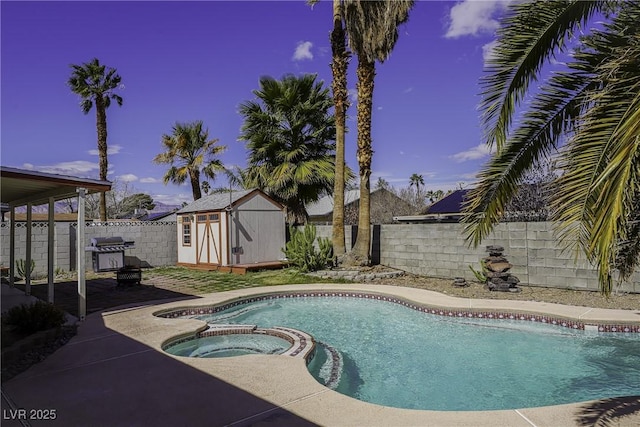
(114, 373)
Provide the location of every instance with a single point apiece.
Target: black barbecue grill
(108, 253)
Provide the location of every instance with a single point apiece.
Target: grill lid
(107, 241)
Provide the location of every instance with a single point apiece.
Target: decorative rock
(495, 259)
(497, 284)
(495, 248)
(460, 282)
(498, 267)
(513, 280)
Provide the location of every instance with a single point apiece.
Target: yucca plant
(21, 268)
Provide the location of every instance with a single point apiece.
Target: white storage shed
(228, 230)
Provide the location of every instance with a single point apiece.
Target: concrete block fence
(436, 250)
(155, 243)
(440, 250)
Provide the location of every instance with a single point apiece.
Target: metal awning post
(27, 262)
(12, 246)
(50, 249)
(82, 285)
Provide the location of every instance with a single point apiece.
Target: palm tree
(290, 133)
(372, 29)
(382, 183)
(205, 187)
(95, 84)
(339, 65)
(417, 180)
(592, 107)
(190, 151)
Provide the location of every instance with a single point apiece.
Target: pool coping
(286, 383)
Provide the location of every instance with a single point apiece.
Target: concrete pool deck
(114, 373)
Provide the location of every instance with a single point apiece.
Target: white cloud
(487, 50)
(469, 176)
(111, 149)
(408, 90)
(150, 180)
(379, 108)
(474, 17)
(172, 199)
(303, 51)
(79, 168)
(477, 152)
(353, 95)
(129, 177)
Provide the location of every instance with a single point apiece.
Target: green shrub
(302, 253)
(35, 317)
(481, 275)
(21, 269)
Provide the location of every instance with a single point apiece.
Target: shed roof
(219, 201)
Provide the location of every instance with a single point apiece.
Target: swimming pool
(397, 356)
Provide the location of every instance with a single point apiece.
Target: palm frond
(372, 26)
(531, 33)
(554, 112)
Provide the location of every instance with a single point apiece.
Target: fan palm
(592, 106)
(95, 84)
(417, 180)
(290, 138)
(190, 151)
(382, 183)
(372, 30)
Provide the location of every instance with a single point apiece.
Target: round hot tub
(230, 345)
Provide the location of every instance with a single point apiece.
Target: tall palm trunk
(339, 69)
(366, 73)
(194, 176)
(101, 125)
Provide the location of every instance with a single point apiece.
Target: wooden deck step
(240, 268)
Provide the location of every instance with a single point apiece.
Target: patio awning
(19, 187)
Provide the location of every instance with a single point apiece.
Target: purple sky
(187, 61)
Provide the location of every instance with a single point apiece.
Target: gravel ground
(622, 301)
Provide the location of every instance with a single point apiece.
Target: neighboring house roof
(450, 204)
(156, 216)
(324, 206)
(220, 201)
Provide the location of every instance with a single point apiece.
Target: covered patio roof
(19, 187)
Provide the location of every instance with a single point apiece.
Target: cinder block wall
(39, 233)
(155, 243)
(440, 250)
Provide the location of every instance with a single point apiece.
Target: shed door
(209, 247)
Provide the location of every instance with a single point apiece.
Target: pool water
(230, 345)
(392, 355)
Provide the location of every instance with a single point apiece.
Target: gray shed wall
(257, 232)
